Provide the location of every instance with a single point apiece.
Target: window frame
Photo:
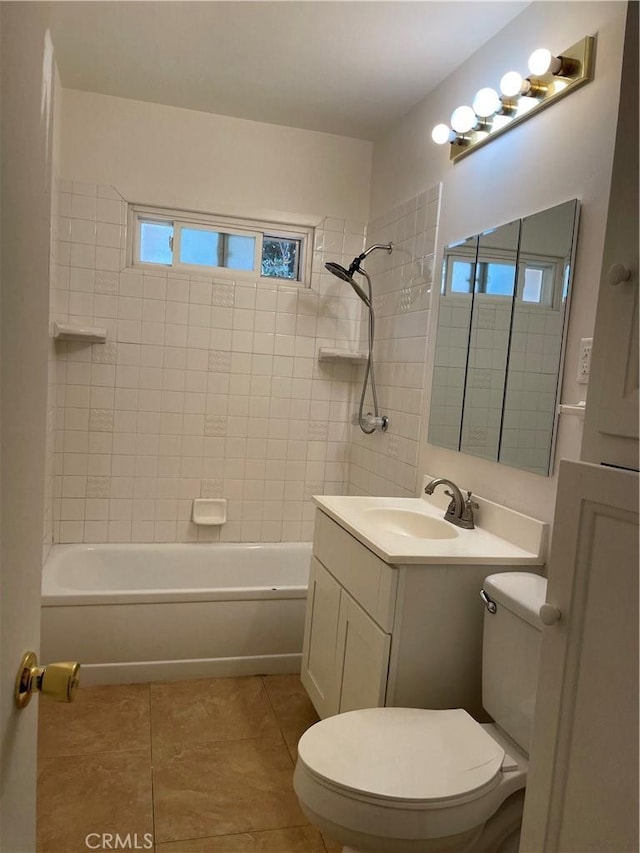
(259, 229)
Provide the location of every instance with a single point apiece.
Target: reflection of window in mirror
(540, 281)
(461, 276)
(495, 278)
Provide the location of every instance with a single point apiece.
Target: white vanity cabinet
(379, 634)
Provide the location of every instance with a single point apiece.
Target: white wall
(564, 152)
(199, 161)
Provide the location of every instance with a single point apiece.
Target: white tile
(83, 231)
(109, 210)
(83, 206)
(108, 234)
(82, 256)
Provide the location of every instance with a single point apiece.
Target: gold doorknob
(58, 681)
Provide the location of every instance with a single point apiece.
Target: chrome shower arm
(387, 246)
(355, 264)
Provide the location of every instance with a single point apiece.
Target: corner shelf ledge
(70, 332)
(333, 354)
(573, 409)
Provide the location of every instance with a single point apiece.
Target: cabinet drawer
(369, 580)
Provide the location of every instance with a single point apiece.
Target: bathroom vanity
(394, 615)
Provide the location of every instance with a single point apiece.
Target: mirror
(501, 324)
(452, 343)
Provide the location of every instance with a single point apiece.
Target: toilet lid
(402, 753)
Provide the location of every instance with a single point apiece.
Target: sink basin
(406, 522)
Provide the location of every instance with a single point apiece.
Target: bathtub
(131, 613)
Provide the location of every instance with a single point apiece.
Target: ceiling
(350, 68)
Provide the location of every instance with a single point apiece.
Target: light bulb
(486, 102)
(441, 134)
(511, 84)
(542, 60)
(463, 119)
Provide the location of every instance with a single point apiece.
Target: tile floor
(203, 766)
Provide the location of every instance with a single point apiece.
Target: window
(190, 242)
(540, 281)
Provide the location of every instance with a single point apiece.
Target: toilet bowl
(406, 779)
(411, 780)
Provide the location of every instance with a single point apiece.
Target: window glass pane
(240, 252)
(498, 278)
(461, 272)
(155, 242)
(532, 289)
(280, 258)
(198, 246)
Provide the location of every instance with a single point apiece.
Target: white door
(27, 83)
(582, 790)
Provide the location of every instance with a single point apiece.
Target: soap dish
(209, 511)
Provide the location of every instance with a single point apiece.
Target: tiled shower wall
(386, 463)
(205, 387)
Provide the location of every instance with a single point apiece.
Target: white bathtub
(161, 612)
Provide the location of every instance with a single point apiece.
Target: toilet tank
(511, 651)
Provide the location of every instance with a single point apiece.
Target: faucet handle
(469, 503)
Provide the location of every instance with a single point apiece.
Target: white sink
(406, 522)
(413, 530)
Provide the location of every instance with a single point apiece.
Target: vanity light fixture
(551, 77)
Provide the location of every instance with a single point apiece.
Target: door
(320, 658)
(26, 74)
(364, 658)
(582, 790)
(611, 418)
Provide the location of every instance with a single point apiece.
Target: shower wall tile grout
(206, 387)
(209, 387)
(386, 463)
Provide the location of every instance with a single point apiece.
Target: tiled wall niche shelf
(71, 332)
(332, 354)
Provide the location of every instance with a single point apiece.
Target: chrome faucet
(459, 511)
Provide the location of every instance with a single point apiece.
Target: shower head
(347, 275)
(344, 275)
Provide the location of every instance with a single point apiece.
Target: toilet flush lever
(58, 681)
(489, 603)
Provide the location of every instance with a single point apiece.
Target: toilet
(408, 780)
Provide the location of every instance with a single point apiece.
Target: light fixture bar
(578, 60)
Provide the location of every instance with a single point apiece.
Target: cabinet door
(364, 648)
(611, 419)
(320, 658)
(582, 790)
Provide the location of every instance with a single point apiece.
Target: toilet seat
(404, 772)
(403, 755)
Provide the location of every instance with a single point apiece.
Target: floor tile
(331, 845)
(92, 794)
(207, 710)
(100, 719)
(293, 708)
(302, 839)
(223, 788)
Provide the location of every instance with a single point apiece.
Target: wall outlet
(584, 360)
